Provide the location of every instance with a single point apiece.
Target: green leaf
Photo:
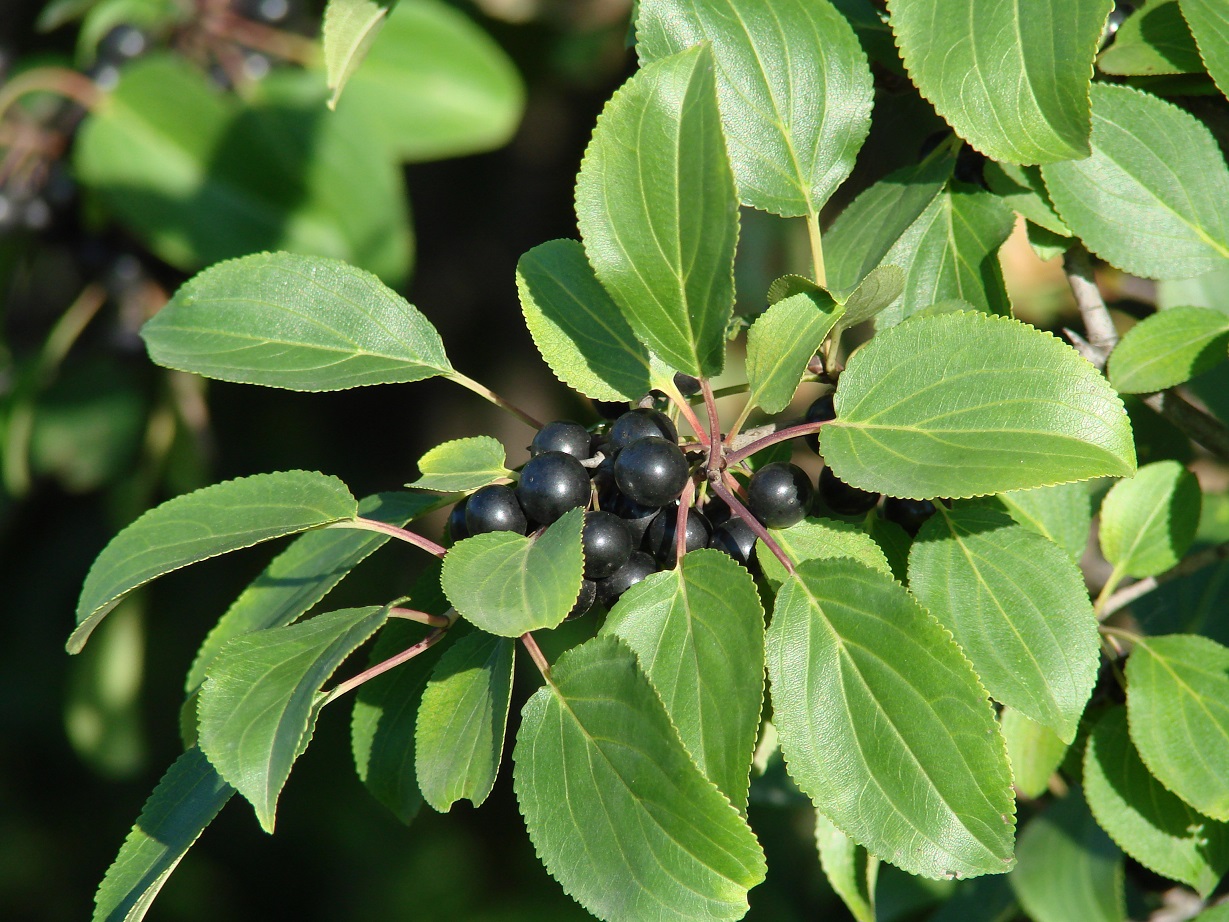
(1169, 348)
(698, 632)
(185, 801)
(508, 584)
(260, 699)
(462, 720)
(867, 229)
(298, 322)
(462, 465)
(1012, 81)
(1178, 703)
(1209, 22)
(658, 211)
(1147, 200)
(350, 27)
(1023, 191)
(881, 287)
(1148, 522)
(849, 869)
(616, 809)
(884, 724)
(951, 252)
(781, 342)
(435, 85)
(794, 87)
(1218, 913)
(819, 539)
(1155, 40)
(1068, 868)
(1150, 824)
(1062, 513)
(212, 521)
(1034, 750)
(579, 330)
(916, 419)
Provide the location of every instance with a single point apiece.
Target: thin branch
(1197, 425)
(409, 537)
(817, 250)
(780, 435)
(487, 394)
(422, 617)
(738, 509)
(1125, 596)
(380, 668)
(680, 521)
(535, 654)
(677, 398)
(716, 459)
(1102, 335)
(59, 80)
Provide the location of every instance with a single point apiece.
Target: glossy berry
(639, 424)
(494, 508)
(635, 516)
(735, 538)
(651, 471)
(607, 543)
(457, 529)
(659, 541)
(588, 595)
(688, 386)
(779, 494)
(565, 436)
(821, 411)
(716, 511)
(909, 514)
(638, 566)
(841, 498)
(550, 485)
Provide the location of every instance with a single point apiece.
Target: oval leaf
(1034, 750)
(698, 631)
(794, 89)
(658, 211)
(462, 465)
(1062, 513)
(885, 726)
(1011, 78)
(1168, 349)
(819, 539)
(1178, 705)
(1154, 40)
(1209, 22)
(1018, 607)
(881, 287)
(260, 699)
(1019, 409)
(212, 521)
(1148, 522)
(780, 344)
(508, 584)
(616, 809)
(1148, 199)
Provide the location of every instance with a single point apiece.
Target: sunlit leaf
(1148, 522)
(462, 465)
(1169, 348)
(781, 342)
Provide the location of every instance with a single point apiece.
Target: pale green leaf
(1062, 513)
(884, 724)
(1012, 79)
(462, 720)
(819, 539)
(462, 465)
(781, 342)
(260, 699)
(1169, 348)
(849, 869)
(1018, 607)
(185, 801)
(1023, 191)
(794, 88)
(1148, 822)
(1044, 242)
(508, 584)
(196, 526)
(881, 287)
(1153, 40)
(1069, 870)
(1034, 750)
(1148, 522)
(1148, 199)
(658, 210)
(1209, 22)
(1218, 913)
(1019, 409)
(579, 330)
(350, 27)
(615, 807)
(1178, 705)
(299, 322)
(698, 631)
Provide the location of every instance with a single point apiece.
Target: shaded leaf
(781, 342)
(1209, 22)
(1153, 40)
(1023, 191)
(1034, 750)
(1169, 348)
(1062, 513)
(462, 465)
(1149, 521)
(849, 869)
(882, 286)
(817, 538)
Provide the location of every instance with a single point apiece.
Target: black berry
(565, 436)
(607, 543)
(457, 529)
(659, 541)
(651, 471)
(909, 514)
(841, 498)
(688, 386)
(716, 511)
(550, 485)
(639, 424)
(494, 508)
(779, 494)
(735, 538)
(588, 595)
(821, 411)
(635, 516)
(638, 566)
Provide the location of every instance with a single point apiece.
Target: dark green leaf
(780, 344)
(1155, 40)
(1149, 521)
(877, 291)
(462, 465)
(1209, 22)
(1034, 750)
(1169, 348)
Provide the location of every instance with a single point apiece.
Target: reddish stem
(380, 668)
(781, 435)
(692, 420)
(422, 617)
(384, 528)
(738, 509)
(535, 653)
(680, 522)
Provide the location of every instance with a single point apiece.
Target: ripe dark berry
(457, 529)
(651, 471)
(659, 541)
(716, 511)
(607, 543)
(588, 595)
(687, 385)
(635, 516)
(638, 424)
(494, 508)
(821, 411)
(735, 538)
(638, 566)
(841, 498)
(909, 514)
(779, 494)
(550, 485)
(565, 436)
